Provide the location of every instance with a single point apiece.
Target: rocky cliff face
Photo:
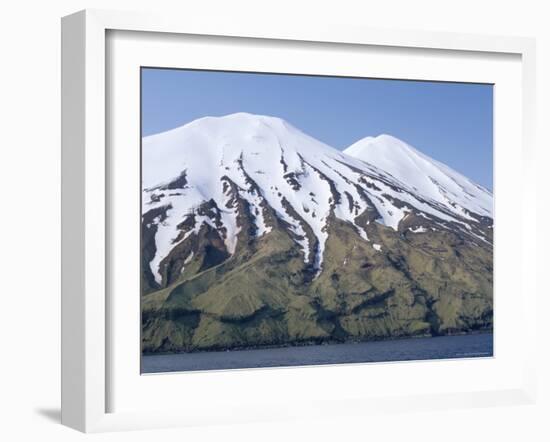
(255, 234)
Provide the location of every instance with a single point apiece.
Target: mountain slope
(254, 233)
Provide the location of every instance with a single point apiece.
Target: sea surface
(444, 347)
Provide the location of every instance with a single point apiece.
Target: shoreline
(311, 343)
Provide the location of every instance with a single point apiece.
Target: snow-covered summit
(423, 175)
(219, 141)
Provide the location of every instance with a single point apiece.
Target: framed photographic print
(264, 246)
(316, 215)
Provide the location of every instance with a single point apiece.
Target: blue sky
(451, 122)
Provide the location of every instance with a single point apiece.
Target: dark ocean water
(444, 347)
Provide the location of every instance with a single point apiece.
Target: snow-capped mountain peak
(423, 175)
(215, 172)
(217, 138)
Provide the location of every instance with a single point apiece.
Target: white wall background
(30, 220)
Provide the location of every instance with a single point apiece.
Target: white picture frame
(86, 317)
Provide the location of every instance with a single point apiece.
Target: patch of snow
(186, 261)
(362, 233)
(418, 229)
(377, 247)
(189, 258)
